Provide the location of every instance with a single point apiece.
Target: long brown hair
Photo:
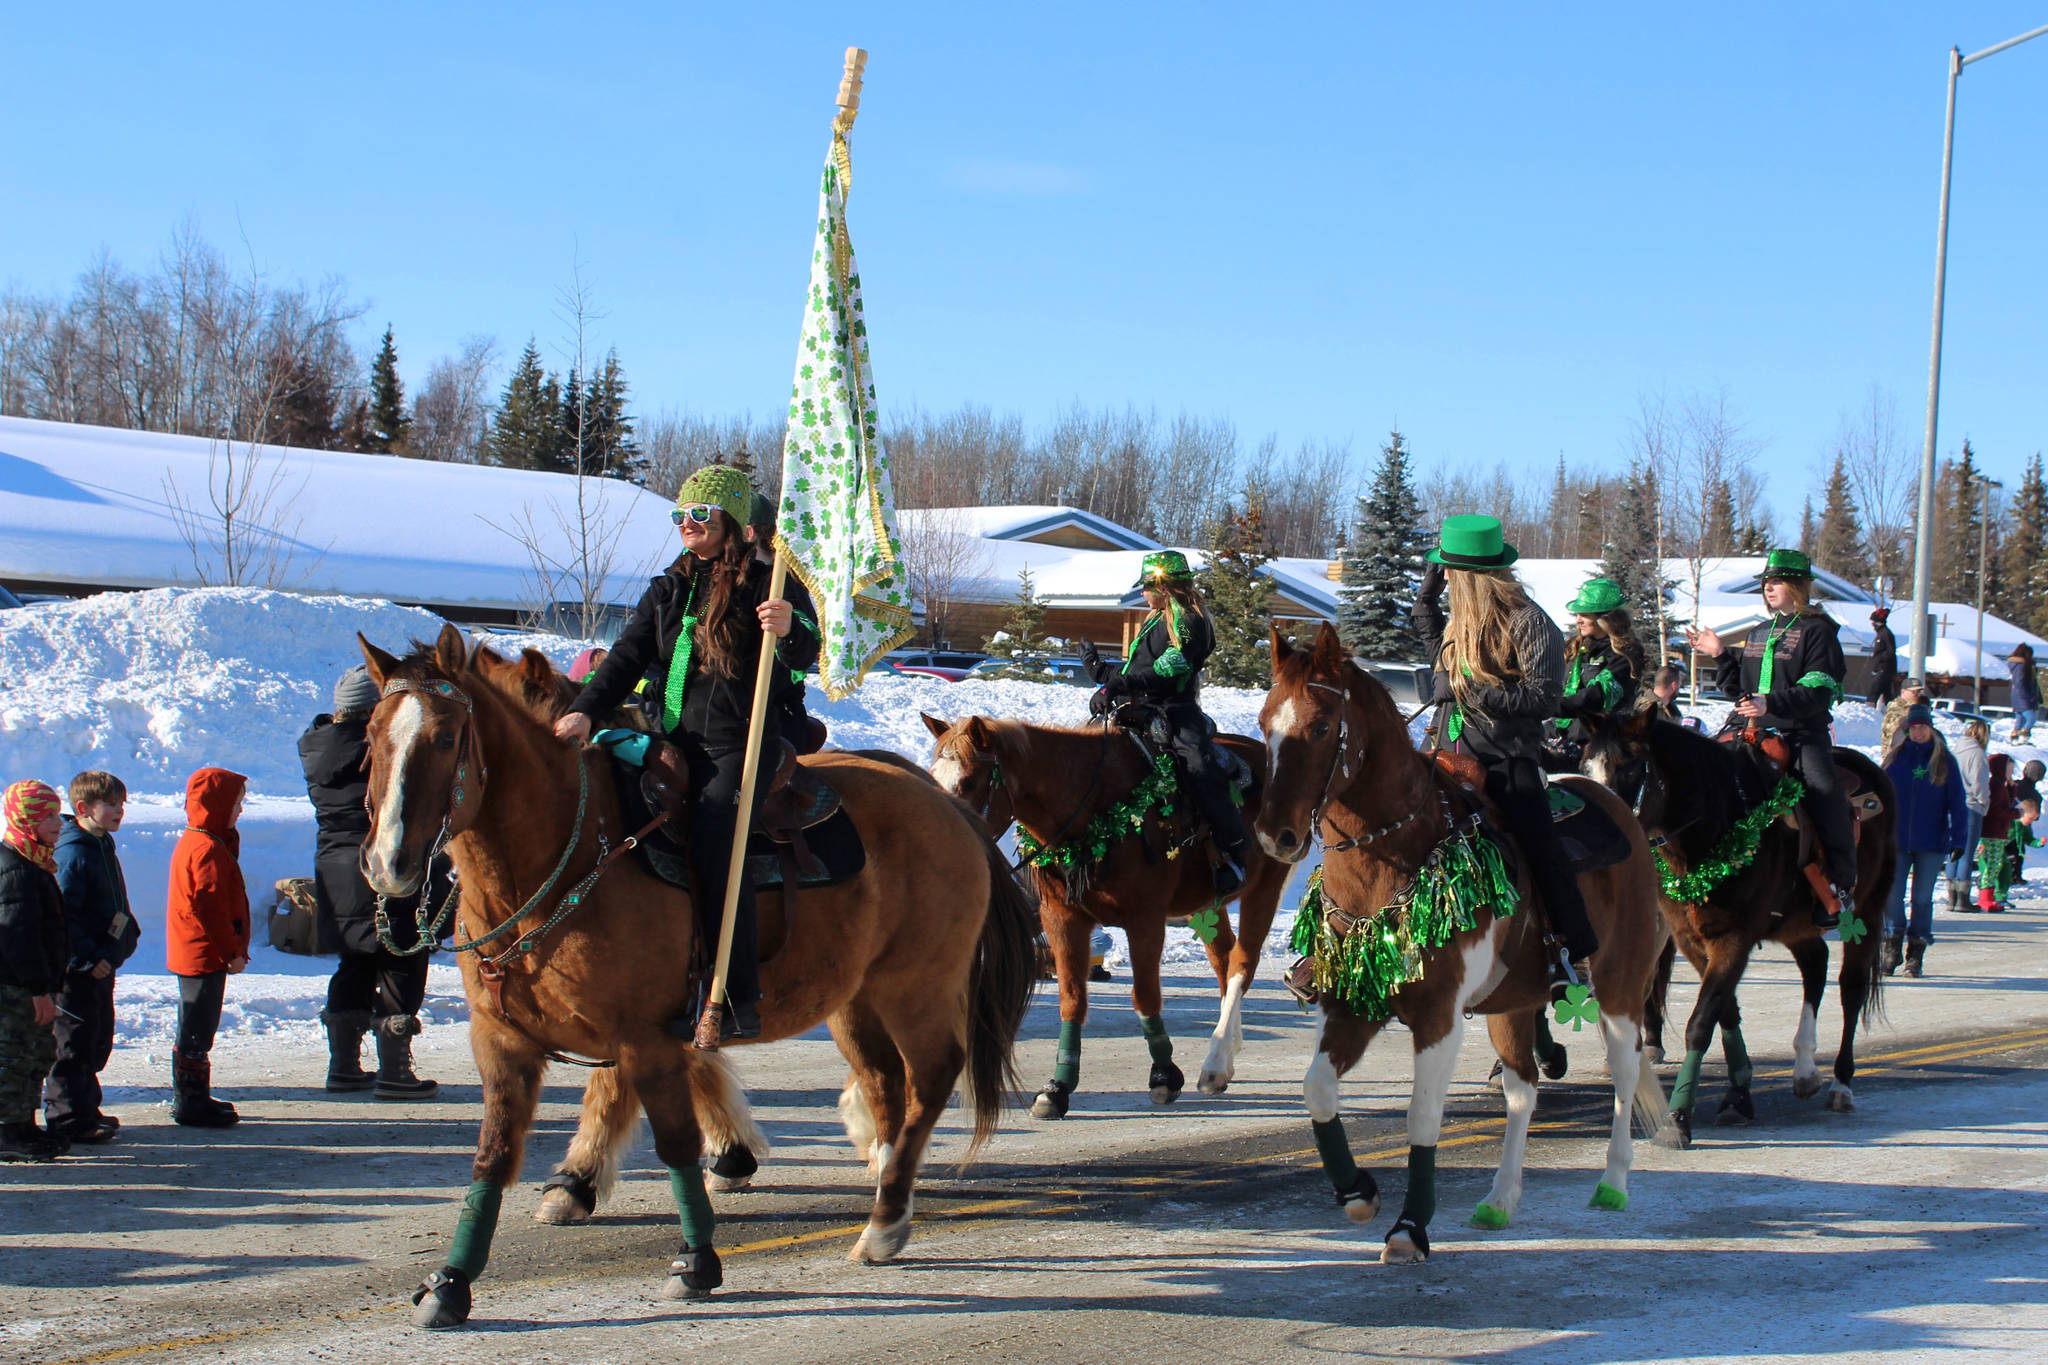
(1477, 641)
(1620, 629)
(1937, 762)
(723, 640)
(1181, 596)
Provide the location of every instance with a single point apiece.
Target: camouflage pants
(26, 1053)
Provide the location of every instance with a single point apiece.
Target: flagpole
(711, 1025)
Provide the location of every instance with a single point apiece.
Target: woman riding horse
(1500, 671)
(1164, 670)
(1788, 676)
(695, 638)
(1602, 663)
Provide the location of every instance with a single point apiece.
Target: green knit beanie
(723, 487)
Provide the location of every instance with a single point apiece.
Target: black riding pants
(1211, 786)
(714, 820)
(1832, 822)
(380, 983)
(1517, 790)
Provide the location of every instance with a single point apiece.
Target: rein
(429, 925)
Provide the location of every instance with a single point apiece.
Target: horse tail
(998, 993)
(1652, 1109)
(723, 1114)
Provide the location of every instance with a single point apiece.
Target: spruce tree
(1240, 598)
(1958, 519)
(1629, 558)
(1838, 544)
(1020, 640)
(1718, 530)
(1383, 562)
(2024, 560)
(388, 422)
(525, 427)
(1809, 530)
(608, 429)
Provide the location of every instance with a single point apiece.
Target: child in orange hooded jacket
(206, 934)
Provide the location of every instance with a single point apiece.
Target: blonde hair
(1978, 731)
(1620, 628)
(1802, 593)
(1478, 650)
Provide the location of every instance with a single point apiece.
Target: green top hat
(1787, 564)
(723, 487)
(1164, 566)
(1596, 598)
(1473, 543)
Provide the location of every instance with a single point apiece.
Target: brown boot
(1888, 959)
(1916, 951)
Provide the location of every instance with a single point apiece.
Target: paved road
(1198, 1232)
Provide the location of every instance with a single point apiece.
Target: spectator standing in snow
(374, 990)
(1884, 658)
(33, 948)
(206, 933)
(1992, 867)
(1934, 819)
(2026, 693)
(1910, 695)
(103, 935)
(1972, 754)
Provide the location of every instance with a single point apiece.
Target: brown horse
(922, 965)
(1343, 770)
(1692, 793)
(1053, 781)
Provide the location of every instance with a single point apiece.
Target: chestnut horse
(1343, 770)
(1693, 793)
(922, 965)
(1052, 781)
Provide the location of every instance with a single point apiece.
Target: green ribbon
(679, 662)
(1121, 820)
(1832, 686)
(1763, 678)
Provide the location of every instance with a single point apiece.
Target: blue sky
(1496, 227)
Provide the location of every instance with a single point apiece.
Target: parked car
(1411, 683)
(1057, 669)
(8, 599)
(948, 664)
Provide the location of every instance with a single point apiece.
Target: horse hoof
(1407, 1244)
(1167, 1082)
(733, 1171)
(879, 1245)
(1555, 1063)
(1605, 1196)
(1680, 1135)
(1051, 1102)
(1840, 1100)
(1490, 1217)
(442, 1300)
(1806, 1087)
(561, 1209)
(1213, 1082)
(694, 1274)
(1736, 1108)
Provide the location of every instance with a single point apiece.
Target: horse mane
(1714, 783)
(531, 683)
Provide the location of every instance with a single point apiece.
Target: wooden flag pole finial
(849, 89)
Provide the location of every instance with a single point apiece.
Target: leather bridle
(460, 815)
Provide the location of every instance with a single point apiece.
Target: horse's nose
(1287, 840)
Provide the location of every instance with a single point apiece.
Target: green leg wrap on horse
(693, 1206)
(1740, 1073)
(1420, 1201)
(1066, 1067)
(474, 1227)
(1546, 1046)
(1335, 1149)
(1156, 1040)
(1686, 1086)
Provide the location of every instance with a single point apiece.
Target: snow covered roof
(98, 507)
(1047, 524)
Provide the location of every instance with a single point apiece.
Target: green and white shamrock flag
(837, 522)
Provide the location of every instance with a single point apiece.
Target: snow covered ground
(152, 685)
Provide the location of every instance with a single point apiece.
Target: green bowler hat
(1596, 598)
(722, 486)
(1473, 543)
(1163, 566)
(1787, 564)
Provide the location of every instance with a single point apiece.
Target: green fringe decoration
(1383, 952)
(1119, 822)
(1734, 852)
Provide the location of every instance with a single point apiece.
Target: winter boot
(192, 1101)
(1916, 952)
(1888, 960)
(345, 1030)
(1985, 900)
(25, 1142)
(395, 1080)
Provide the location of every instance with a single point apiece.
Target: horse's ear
(380, 664)
(1283, 648)
(535, 670)
(981, 732)
(1331, 656)
(934, 724)
(451, 651)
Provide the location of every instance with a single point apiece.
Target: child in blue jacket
(1933, 825)
(103, 935)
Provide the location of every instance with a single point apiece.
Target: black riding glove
(1432, 584)
(1091, 662)
(1440, 688)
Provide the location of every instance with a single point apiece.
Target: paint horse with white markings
(1058, 784)
(1418, 918)
(1735, 867)
(922, 964)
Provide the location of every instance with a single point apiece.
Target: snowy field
(153, 685)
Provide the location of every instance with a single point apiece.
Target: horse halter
(465, 747)
(1339, 762)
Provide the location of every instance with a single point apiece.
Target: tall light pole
(1983, 559)
(1923, 539)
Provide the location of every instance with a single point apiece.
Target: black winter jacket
(715, 708)
(95, 892)
(1606, 684)
(1806, 674)
(1884, 658)
(1158, 670)
(332, 754)
(1507, 721)
(35, 943)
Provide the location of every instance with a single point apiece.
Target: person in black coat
(1884, 658)
(1788, 677)
(35, 944)
(1164, 670)
(373, 990)
(1602, 663)
(103, 936)
(695, 638)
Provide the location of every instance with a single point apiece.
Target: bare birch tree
(1880, 465)
(451, 416)
(943, 556)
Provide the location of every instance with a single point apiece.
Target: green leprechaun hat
(1164, 566)
(1597, 597)
(1473, 542)
(1787, 564)
(723, 487)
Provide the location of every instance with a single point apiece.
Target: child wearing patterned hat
(34, 947)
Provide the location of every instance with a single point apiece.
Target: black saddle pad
(1592, 838)
(835, 842)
